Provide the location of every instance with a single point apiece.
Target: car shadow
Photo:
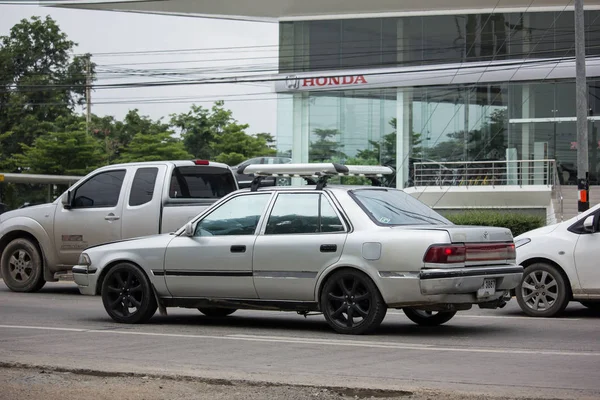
(573, 311)
(316, 324)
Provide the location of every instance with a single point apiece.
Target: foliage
(324, 148)
(154, 147)
(518, 223)
(67, 152)
(40, 81)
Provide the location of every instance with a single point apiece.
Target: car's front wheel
(216, 312)
(22, 267)
(127, 295)
(351, 303)
(428, 318)
(543, 291)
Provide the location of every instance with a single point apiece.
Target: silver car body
(286, 271)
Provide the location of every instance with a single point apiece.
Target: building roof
(288, 10)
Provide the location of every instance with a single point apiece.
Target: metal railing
(485, 173)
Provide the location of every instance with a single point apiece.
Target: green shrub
(516, 222)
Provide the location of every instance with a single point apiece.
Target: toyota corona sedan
(349, 252)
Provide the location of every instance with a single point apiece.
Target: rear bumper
(469, 279)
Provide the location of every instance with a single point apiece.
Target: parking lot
(491, 352)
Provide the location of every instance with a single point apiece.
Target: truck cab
(112, 203)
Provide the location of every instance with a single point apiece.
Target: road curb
(346, 391)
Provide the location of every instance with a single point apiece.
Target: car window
(238, 216)
(201, 182)
(394, 207)
(295, 213)
(142, 188)
(101, 190)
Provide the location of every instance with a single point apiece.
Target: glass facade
(398, 126)
(402, 41)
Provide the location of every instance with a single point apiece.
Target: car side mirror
(66, 200)
(189, 229)
(589, 225)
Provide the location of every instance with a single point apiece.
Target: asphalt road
(499, 352)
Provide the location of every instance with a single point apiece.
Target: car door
(93, 216)
(586, 255)
(303, 235)
(217, 260)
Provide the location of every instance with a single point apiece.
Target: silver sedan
(350, 252)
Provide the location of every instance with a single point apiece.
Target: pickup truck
(40, 243)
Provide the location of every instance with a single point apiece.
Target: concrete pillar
(403, 131)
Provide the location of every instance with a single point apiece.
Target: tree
(324, 148)
(215, 134)
(40, 82)
(70, 151)
(154, 147)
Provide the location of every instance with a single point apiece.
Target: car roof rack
(320, 171)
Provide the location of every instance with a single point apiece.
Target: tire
(592, 305)
(216, 312)
(347, 293)
(543, 291)
(428, 318)
(22, 267)
(127, 287)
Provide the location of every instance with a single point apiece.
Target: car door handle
(328, 248)
(238, 249)
(112, 217)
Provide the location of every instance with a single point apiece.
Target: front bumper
(85, 277)
(468, 279)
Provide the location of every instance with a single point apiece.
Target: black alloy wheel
(351, 303)
(127, 295)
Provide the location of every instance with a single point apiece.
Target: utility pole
(88, 92)
(583, 187)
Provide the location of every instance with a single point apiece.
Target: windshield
(394, 207)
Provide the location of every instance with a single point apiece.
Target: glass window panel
(445, 43)
(238, 216)
(325, 45)
(361, 43)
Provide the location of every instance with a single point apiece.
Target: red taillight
(445, 254)
(460, 253)
(201, 162)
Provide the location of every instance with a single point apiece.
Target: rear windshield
(394, 207)
(201, 182)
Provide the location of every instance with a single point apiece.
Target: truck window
(201, 182)
(142, 188)
(101, 190)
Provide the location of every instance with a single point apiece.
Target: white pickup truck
(39, 243)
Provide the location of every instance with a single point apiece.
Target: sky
(211, 47)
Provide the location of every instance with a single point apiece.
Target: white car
(561, 264)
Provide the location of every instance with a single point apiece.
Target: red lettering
(322, 81)
(308, 82)
(335, 80)
(348, 80)
(360, 79)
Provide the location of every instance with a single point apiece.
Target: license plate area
(487, 289)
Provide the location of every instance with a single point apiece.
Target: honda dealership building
(428, 80)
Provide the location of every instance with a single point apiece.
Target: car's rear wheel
(543, 291)
(216, 312)
(592, 305)
(127, 295)
(428, 318)
(351, 303)
(22, 267)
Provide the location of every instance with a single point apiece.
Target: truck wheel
(351, 303)
(216, 312)
(428, 318)
(127, 295)
(22, 267)
(543, 291)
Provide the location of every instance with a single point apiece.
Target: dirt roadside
(33, 383)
